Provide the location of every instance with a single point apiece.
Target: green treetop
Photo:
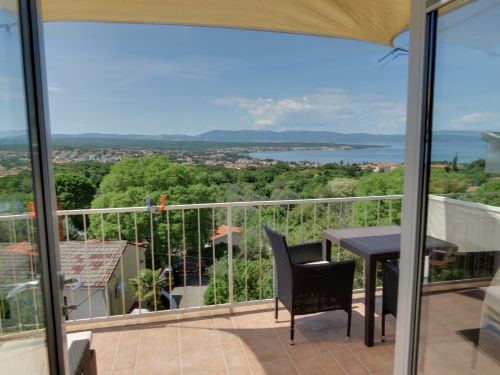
(128, 184)
(75, 190)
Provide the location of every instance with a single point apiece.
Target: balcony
(216, 316)
(249, 341)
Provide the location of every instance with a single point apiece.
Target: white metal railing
(184, 237)
(326, 213)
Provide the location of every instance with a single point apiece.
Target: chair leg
(291, 329)
(383, 327)
(276, 308)
(349, 316)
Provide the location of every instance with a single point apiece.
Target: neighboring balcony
(188, 288)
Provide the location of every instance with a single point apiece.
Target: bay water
(395, 153)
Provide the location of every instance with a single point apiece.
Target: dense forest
(187, 232)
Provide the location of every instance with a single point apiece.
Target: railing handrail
(345, 205)
(347, 214)
(194, 206)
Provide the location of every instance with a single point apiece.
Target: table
(374, 244)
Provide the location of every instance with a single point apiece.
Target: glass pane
(460, 314)
(22, 333)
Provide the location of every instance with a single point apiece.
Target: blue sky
(157, 79)
(161, 79)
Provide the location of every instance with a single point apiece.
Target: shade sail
(378, 21)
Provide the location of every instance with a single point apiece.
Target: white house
(221, 235)
(97, 264)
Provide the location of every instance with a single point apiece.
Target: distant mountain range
(261, 136)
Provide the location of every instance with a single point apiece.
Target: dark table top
(379, 241)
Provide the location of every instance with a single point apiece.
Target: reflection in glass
(22, 322)
(460, 306)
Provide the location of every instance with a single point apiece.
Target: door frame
(419, 108)
(423, 27)
(36, 97)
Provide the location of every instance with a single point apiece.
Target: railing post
(230, 256)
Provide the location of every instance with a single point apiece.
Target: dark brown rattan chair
(81, 358)
(390, 274)
(309, 288)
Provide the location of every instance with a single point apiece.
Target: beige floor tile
(379, 358)
(228, 335)
(124, 371)
(350, 363)
(318, 363)
(195, 314)
(195, 337)
(206, 372)
(234, 354)
(104, 360)
(225, 328)
(251, 340)
(159, 364)
(126, 353)
(160, 333)
(197, 359)
(268, 349)
(332, 340)
(240, 371)
(205, 322)
(254, 325)
(276, 367)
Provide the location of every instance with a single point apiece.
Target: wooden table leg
(370, 287)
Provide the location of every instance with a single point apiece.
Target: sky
(164, 79)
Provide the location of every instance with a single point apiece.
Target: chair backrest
(283, 262)
(278, 245)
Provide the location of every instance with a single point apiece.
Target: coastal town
(235, 157)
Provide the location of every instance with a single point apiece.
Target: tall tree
(128, 184)
(75, 190)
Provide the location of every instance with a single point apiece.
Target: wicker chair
(390, 274)
(82, 359)
(305, 287)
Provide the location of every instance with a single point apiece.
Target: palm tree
(144, 287)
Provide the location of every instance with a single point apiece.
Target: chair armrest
(306, 252)
(312, 278)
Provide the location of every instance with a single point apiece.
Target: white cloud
(328, 103)
(264, 122)
(473, 117)
(390, 108)
(391, 122)
(53, 88)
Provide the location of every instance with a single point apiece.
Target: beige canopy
(378, 21)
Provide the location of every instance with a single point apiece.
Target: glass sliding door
(459, 327)
(31, 334)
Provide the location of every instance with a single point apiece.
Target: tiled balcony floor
(249, 341)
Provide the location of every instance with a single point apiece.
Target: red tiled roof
(222, 232)
(22, 248)
(92, 261)
(439, 166)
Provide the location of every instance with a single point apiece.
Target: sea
(395, 153)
